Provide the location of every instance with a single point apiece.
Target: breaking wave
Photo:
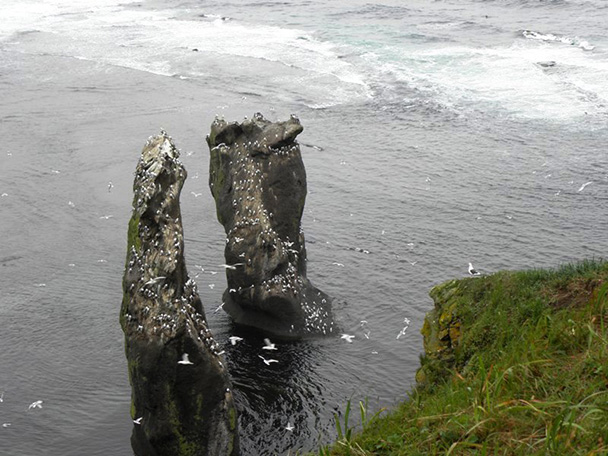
(572, 41)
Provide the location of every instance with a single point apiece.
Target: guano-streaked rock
(178, 408)
(258, 181)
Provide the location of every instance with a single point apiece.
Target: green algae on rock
(179, 408)
(258, 181)
(441, 329)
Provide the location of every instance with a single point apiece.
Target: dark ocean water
(435, 134)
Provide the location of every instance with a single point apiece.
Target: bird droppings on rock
(258, 181)
(175, 409)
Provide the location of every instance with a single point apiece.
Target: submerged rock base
(258, 181)
(182, 401)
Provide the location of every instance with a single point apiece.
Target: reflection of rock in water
(258, 180)
(179, 408)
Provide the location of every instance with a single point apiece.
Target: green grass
(525, 372)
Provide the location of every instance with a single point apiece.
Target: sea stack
(182, 401)
(258, 181)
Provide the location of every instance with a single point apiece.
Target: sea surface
(436, 133)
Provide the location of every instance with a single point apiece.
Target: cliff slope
(516, 363)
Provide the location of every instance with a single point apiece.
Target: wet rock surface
(182, 402)
(258, 181)
(441, 331)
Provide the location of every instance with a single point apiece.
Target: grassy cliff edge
(515, 363)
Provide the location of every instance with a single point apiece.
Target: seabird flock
(34, 405)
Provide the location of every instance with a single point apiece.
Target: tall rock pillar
(258, 181)
(182, 401)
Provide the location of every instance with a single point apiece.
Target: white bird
(338, 264)
(583, 186)
(138, 420)
(4, 425)
(235, 339)
(106, 217)
(153, 281)
(473, 271)
(218, 309)
(185, 359)
(231, 266)
(268, 361)
(110, 185)
(268, 345)
(348, 338)
(2, 396)
(290, 427)
(37, 404)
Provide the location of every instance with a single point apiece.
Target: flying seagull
(154, 280)
(583, 186)
(268, 361)
(290, 427)
(473, 271)
(235, 339)
(185, 359)
(268, 345)
(231, 266)
(138, 420)
(348, 338)
(402, 332)
(35, 404)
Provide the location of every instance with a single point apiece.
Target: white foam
(564, 39)
(161, 42)
(26, 15)
(510, 79)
